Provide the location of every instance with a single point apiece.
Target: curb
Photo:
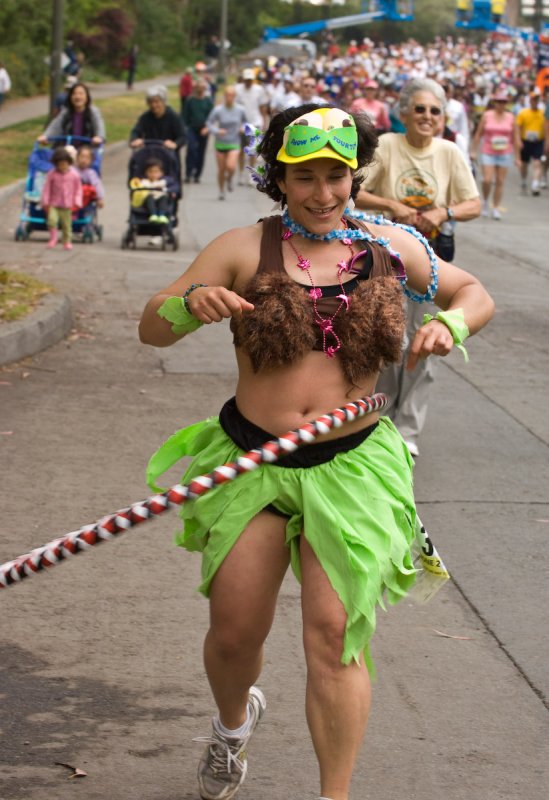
(39, 329)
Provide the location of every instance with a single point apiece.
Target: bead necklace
(326, 324)
(360, 235)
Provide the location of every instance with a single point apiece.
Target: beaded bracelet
(191, 288)
(455, 323)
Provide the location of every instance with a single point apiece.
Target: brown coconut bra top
(281, 329)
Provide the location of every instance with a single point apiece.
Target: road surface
(100, 660)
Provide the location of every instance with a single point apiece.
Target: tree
(108, 37)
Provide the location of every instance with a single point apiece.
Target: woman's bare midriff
(282, 399)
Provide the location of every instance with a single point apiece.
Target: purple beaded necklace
(326, 324)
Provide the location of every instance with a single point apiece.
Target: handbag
(444, 246)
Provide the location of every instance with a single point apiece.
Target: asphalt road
(100, 660)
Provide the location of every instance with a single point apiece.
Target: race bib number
(432, 573)
(532, 136)
(499, 142)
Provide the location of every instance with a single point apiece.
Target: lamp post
(55, 53)
(223, 39)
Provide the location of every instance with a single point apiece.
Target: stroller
(139, 223)
(32, 217)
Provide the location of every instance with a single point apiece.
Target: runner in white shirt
(288, 98)
(255, 101)
(456, 114)
(307, 91)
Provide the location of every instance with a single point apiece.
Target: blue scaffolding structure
(377, 10)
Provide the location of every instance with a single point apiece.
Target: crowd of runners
(498, 76)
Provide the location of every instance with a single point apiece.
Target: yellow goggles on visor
(323, 133)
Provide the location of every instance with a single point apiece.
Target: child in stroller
(33, 216)
(154, 192)
(154, 181)
(92, 186)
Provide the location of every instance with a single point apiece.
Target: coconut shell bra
(281, 329)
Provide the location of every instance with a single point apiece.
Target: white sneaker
(221, 195)
(413, 448)
(496, 213)
(535, 188)
(485, 210)
(223, 766)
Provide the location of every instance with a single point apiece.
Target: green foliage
(431, 18)
(108, 39)
(170, 33)
(160, 33)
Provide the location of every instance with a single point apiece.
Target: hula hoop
(109, 527)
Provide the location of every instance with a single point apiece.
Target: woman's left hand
(171, 145)
(434, 338)
(97, 140)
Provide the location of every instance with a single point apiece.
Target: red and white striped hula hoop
(109, 527)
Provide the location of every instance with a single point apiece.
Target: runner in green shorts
(226, 121)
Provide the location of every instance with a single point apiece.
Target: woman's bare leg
(231, 163)
(242, 606)
(501, 173)
(487, 182)
(338, 696)
(221, 158)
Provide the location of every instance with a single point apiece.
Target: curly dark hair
(274, 135)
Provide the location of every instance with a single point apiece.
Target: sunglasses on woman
(435, 111)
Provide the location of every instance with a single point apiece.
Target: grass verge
(19, 294)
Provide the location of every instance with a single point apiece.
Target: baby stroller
(139, 223)
(32, 217)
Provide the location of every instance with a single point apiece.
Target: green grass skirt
(356, 511)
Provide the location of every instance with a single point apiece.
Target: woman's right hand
(404, 214)
(214, 303)
(137, 143)
(42, 139)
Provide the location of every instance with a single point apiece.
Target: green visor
(304, 140)
(323, 133)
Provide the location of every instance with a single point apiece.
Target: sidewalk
(25, 108)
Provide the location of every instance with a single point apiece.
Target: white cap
(248, 74)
